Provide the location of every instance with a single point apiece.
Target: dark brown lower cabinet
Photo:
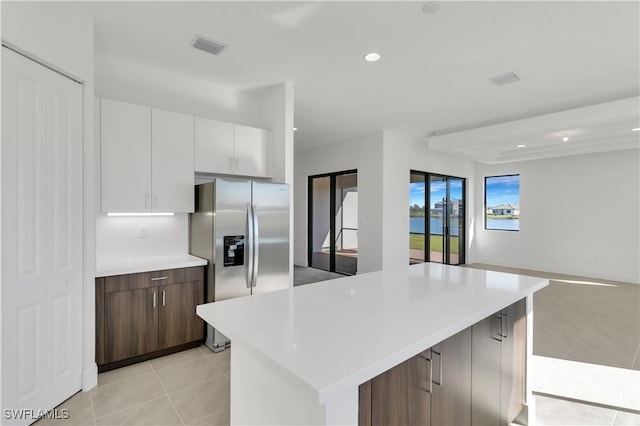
(138, 315)
(131, 320)
(432, 388)
(476, 377)
(179, 323)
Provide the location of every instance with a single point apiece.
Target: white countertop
(146, 264)
(337, 334)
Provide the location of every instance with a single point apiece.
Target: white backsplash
(119, 238)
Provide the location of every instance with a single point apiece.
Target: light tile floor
(186, 388)
(577, 321)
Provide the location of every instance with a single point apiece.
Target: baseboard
(302, 264)
(90, 377)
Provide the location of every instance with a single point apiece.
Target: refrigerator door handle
(249, 245)
(255, 246)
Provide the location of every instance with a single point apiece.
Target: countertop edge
(148, 264)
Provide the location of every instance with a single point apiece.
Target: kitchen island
(299, 356)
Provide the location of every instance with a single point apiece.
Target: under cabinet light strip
(139, 214)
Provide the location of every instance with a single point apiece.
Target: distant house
(454, 208)
(504, 209)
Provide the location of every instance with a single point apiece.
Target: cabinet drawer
(152, 279)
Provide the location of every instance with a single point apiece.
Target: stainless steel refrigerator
(242, 229)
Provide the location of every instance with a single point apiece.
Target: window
(502, 203)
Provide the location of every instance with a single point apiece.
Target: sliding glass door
(333, 222)
(437, 218)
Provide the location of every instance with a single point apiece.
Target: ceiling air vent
(210, 46)
(508, 78)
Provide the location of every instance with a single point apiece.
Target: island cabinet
(143, 315)
(499, 346)
(475, 377)
(432, 388)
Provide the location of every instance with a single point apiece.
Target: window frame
(484, 215)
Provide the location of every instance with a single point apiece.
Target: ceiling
(434, 71)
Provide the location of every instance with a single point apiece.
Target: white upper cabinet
(213, 146)
(228, 148)
(125, 157)
(146, 159)
(251, 151)
(172, 172)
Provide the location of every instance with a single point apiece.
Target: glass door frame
(446, 253)
(332, 217)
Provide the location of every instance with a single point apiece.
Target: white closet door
(41, 300)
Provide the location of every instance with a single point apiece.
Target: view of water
(504, 224)
(416, 225)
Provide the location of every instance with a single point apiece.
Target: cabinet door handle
(230, 164)
(159, 278)
(164, 301)
(154, 299)
(429, 388)
(500, 331)
(505, 326)
(439, 382)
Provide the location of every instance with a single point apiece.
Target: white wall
(119, 238)
(64, 40)
(365, 155)
(578, 215)
(129, 81)
(405, 151)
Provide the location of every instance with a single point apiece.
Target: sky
(499, 190)
(438, 191)
(503, 190)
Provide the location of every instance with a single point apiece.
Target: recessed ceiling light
(637, 129)
(295, 129)
(521, 145)
(431, 7)
(372, 57)
(508, 78)
(565, 138)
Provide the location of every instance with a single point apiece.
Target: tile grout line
(167, 395)
(212, 414)
(588, 327)
(93, 410)
(130, 407)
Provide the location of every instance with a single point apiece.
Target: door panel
(131, 323)
(513, 360)
(250, 151)
(455, 221)
(172, 161)
(400, 395)
(125, 157)
(271, 210)
(232, 201)
(213, 146)
(178, 322)
(451, 399)
(320, 226)
(486, 350)
(41, 235)
(437, 218)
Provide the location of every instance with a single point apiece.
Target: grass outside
(416, 242)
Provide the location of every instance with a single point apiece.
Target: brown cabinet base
(146, 357)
